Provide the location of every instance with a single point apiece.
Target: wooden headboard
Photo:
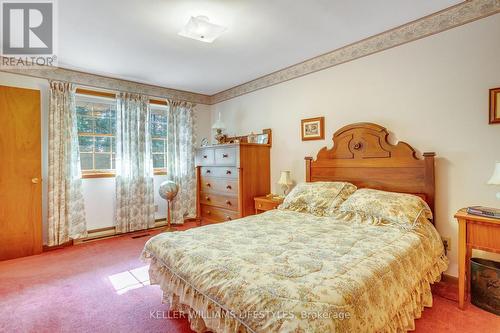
(362, 155)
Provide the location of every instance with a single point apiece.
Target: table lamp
(218, 127)
(495, 179)
(285, 181)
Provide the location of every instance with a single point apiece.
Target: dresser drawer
(218, 214)
(225, 156)
(223, 201)
(228, 186)
(205, 156)
(220, 172)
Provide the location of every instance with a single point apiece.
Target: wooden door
(20, 173)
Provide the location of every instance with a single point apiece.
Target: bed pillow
(318, 198)
(397, 208)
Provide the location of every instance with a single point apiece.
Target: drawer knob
(205, 156)
(225, 155)
(228, 172)
(209, 212)
(228, 187)
(208, 171)
(208, 185)
(228, 203)
(260, 205)
(207, 198)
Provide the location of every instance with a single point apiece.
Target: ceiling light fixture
(201, 29)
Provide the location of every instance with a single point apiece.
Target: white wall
(99, 193)
(432, 93)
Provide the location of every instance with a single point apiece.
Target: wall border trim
(109, 83)
(448, 18)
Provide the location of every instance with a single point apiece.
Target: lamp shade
(218, 124)
(495, 179)
(285, 178)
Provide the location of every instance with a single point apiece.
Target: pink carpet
(102, 287)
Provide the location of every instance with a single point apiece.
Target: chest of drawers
(229, 177)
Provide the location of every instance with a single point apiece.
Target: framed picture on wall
(313, 128)
(495, 106)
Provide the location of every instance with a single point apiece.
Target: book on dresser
(229, 176)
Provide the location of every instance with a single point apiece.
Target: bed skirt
(206, 314)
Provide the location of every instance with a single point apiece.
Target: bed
(293, 271)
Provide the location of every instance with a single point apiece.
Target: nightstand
(263, 204)
(474, 232)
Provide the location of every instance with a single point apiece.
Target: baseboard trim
(47, 248)
(449, 279)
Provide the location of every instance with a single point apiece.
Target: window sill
(91, 175)
(98, 175)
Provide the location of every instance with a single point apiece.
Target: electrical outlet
(156, 208)
(446, 243)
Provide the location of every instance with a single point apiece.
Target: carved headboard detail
(362, 155)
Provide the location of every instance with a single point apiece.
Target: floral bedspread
(285, 271)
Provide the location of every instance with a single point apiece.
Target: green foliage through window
(96, 122)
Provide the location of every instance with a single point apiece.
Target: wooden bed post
(198, 189)
(430, 181)
(308, 168)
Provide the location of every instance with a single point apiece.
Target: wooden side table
(474, 232)
(263, 204)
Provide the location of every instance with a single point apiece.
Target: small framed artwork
(313, 128)
(495, 106)
(263, 138)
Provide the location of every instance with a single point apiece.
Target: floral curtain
(66, 218)
(134, 170)
(180, 159)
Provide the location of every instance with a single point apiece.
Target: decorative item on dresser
(268, 202)
(474, 232)
(230, 176)
(218, 129)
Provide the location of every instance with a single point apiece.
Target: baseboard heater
(108, 232)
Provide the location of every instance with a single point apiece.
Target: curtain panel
(66, 209)
(135, 208)
(181, 141)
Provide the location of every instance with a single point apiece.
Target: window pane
(113, 126)
(113, 144)
(85, 124)
(86, 161)
(102, 144)
(104, 110)
(158, 146)
(113, 161)
(158, 161)
(103, 126)
(102, 161)
(158, 130)
(158, 118)
(83, 110)
(86, 143)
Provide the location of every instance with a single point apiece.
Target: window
(96, 122)
(96, 119)
(158, 130)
